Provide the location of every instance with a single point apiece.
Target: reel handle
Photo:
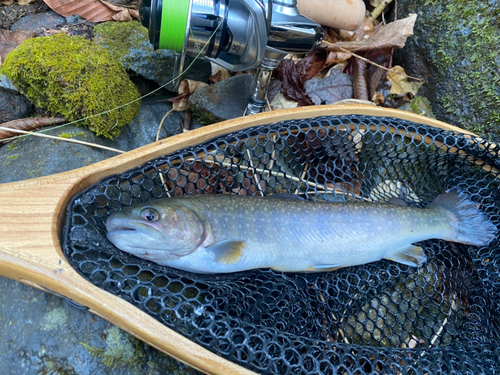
(339, 14)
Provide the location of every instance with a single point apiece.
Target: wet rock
(224, 100)
(44, 334)
(11, 13)
(7, 84)
(455, 50)
(129, 43)
(32, 157)
(36, 22)
(13, 106)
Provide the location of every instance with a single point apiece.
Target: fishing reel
(236, 34)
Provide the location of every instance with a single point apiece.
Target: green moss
(205, 117)
(74, 78)
(9, 158)
(72, 135)
(470, 47)
(12, 146)
(121, 350)
(421, 106)
(120, 37)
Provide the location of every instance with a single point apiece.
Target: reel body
(236, 34)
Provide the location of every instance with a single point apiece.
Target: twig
(162, 177)
(161, 124)
(63, 139)
(379, 9)
(368, 61)
(28, 124)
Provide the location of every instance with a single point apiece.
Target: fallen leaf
(312, 63)
(337, 86)
(399, 82)
(91, 10)
(25, 2)
(218, 73)
(28, 124)
(7, 2)
(186, 88)
(392, 35)
(280, 102)
(292, 86)
(10, 40)
(123, 16)
(360, 87)
(334, 58)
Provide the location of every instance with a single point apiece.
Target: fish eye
(150, 214)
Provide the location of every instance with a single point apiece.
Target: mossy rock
(75, 78)
(455, 50)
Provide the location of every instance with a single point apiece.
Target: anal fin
(410, 255)
(228, 252)
(324, 267)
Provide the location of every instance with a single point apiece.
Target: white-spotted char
(230, 233)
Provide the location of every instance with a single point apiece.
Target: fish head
(158, 231)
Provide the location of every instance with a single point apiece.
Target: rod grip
(340, 14)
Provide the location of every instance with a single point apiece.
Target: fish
(224, 233)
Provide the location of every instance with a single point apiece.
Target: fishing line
(126, 104)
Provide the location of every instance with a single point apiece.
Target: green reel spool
(173, 28)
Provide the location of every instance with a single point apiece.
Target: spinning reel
(243, 34)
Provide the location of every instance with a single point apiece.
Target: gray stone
(44, 334)
(36, 22)
(7, 84)
(455, 50)
(14, 106)
(140, 57)
(222, 101)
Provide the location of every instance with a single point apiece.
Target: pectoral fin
(410, 255)
(228, 252)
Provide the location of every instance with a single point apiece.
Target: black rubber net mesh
(381, 317)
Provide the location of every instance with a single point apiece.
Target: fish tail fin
(470, 226)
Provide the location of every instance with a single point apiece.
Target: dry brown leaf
(7, 2)
(392, 35)
(186, 88)
(25, 2)
(399, 82)
(280, 102)
(10, 40)
(334, 58)
(91, 10)
(28, 124)
(218, 73)
(124, 14)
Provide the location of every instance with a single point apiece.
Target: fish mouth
(123, 229)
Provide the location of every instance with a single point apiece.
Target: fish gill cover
(380, 317)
